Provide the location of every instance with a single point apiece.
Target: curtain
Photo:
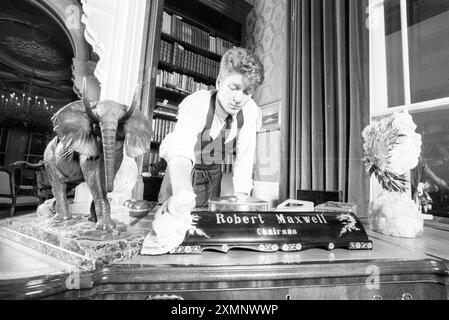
(329, 99)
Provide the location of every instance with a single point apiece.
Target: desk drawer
(386, 291)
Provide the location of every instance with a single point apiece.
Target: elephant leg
(102, 206)
(59, 190)
(62, 205)
(93, 214)
(92, 176)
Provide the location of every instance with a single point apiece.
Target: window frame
(378, 66)
(28, 155)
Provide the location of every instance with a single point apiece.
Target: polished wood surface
(416, 267)
(18, 261)
(434, 242)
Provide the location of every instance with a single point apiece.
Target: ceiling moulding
(50, 75)
(17, 77)
(67, 14)
(20, 51)
(59, 10)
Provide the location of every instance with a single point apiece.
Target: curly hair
(242, 61)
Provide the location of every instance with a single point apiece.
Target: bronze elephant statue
(89, 146)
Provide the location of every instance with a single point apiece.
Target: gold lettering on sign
(237, 219)
(318, 219)
(276, 232)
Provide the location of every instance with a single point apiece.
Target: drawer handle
(407, 296)
(164, 297)
(377, 297)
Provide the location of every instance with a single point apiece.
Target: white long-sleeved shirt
(192, 116)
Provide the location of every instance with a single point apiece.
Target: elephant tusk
(134, 103)
(86, 102)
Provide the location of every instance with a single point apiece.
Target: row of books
(175, 27)
(174, 80)
(161, 128)
(220, 46)
(176, 55)
(166, 53)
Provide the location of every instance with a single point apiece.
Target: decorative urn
(138, 208)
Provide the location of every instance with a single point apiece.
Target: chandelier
(24, 109)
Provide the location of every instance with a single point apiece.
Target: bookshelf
(192, 35)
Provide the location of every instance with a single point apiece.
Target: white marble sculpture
(392, 148)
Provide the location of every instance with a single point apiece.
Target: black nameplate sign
(273, 231)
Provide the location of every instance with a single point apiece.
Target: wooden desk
(395, 269)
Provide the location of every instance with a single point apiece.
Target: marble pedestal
(75, 241)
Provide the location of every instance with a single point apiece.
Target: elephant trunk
(108, 134)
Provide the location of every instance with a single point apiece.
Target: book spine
(189, 33)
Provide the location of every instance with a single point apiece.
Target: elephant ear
(74, 128)
(138, 135)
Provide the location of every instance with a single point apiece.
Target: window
(34, 153)
(3, 141)
(409, 54)
(35, 147)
